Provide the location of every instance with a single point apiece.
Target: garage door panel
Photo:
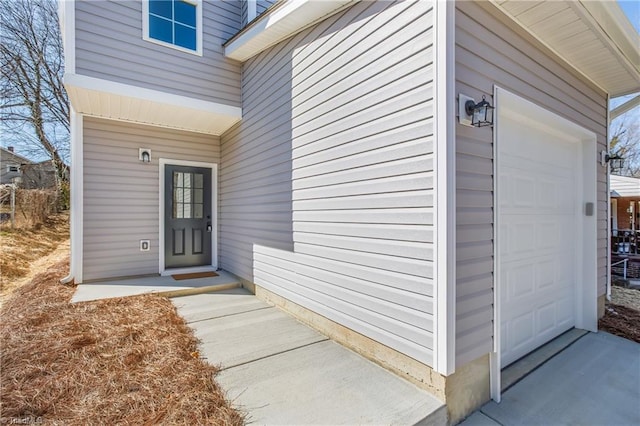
(537, 187)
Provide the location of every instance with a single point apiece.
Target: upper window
(174, 23)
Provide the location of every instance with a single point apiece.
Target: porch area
(168, 286)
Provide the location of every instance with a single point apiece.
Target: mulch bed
(621, 321)
(119, 361)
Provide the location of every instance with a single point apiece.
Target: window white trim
(10, 168)
(445, 188)
(163, 162)
(145, 28)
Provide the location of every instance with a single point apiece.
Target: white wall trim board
(515, 108)
(77, 196)
(495, 378)
(445, 188)
(609, 114)
(252, 10)
(67, 17)
(214, 215)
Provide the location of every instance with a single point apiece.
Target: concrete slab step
(325, 383)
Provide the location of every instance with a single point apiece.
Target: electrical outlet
(145, 245)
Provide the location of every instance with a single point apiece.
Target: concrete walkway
(280, 371)
(595, 381)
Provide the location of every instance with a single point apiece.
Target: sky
(632, 9)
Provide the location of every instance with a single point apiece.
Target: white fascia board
(615, 31)
(281, 23)
(126, 90)
(445, 188)
(625, 107)
(615, 27)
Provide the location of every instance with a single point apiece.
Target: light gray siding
(488, 53)
(109, 45)
(262, 5)
(244, 12)
(330, 173)
(121, 194)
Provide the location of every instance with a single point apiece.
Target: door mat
(179, 277)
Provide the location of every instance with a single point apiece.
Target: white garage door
(538, 221)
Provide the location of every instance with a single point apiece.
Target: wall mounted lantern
(474, 114)
(616, 162)
(144, 155)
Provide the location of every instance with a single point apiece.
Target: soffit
(114, 101)
(278, 23)
(594, 37)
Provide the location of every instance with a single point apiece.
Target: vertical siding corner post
(77, 198)
(445, 185)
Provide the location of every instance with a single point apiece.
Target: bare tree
(626, 143)
(34, 106)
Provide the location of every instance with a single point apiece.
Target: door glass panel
(188, 195)
(197, 211)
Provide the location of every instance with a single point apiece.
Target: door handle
(208, 226)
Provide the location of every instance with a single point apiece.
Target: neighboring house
(316, 152)
(31, 175)
(625, 203)
(11, 165)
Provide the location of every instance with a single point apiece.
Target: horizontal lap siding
(339, 120)
(109, 46)
(121, 204)
(262, 5)
(488, 53)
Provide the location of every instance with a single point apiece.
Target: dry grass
(621, 321)
(22, 247)
(120, 361)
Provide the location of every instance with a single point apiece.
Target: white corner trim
(495, 373)
(145, 29)
(67, 18)
(445, 188)
(608, 284)
(127, 90)
(163, 162)
(77, 197)
(252, 10)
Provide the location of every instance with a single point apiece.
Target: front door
(188, 225)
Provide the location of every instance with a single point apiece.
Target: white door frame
(214, 216)
(586, 309)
